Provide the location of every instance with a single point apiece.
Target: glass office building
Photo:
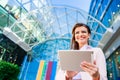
(32, 31)
(108, 12)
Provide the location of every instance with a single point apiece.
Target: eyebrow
(81, 31)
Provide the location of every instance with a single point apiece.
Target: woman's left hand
(92, 69)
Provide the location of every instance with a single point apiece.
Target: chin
(82, 42)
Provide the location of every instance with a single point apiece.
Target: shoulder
(98, 54)
(97, 49)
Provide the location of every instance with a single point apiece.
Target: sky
(80, 4)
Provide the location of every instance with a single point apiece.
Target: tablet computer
(71, 59)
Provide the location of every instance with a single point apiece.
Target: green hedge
(8, 71)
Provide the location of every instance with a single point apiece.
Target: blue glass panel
(106, 18)
(28, 73)
(95, 24)
(98, 15)
(113, 6)
(48, 49)
(94, 44)
(101, 30)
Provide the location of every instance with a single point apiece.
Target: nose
(80, 34)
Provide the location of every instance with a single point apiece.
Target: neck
(81, 45)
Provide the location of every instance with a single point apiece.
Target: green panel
(6, 19)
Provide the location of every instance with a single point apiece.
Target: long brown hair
(74, 44)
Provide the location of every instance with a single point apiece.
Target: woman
(97, 70)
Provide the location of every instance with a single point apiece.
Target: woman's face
(81, 35)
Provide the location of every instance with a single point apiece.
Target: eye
(77, 32)
(84, 31)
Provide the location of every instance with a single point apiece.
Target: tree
(8, 71)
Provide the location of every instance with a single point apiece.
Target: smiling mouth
(81, 38)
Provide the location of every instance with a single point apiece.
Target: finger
(87, 64)
(86, 69)
(93, 72)
(90, 68)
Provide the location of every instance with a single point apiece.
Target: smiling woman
(92, 71)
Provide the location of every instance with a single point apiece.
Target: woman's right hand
(70, 74)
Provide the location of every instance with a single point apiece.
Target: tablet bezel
(71, 59)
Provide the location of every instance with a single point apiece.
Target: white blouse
(100, 63)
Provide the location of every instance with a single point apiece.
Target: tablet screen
(71, 59)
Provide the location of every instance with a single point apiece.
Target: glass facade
(106, 11)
